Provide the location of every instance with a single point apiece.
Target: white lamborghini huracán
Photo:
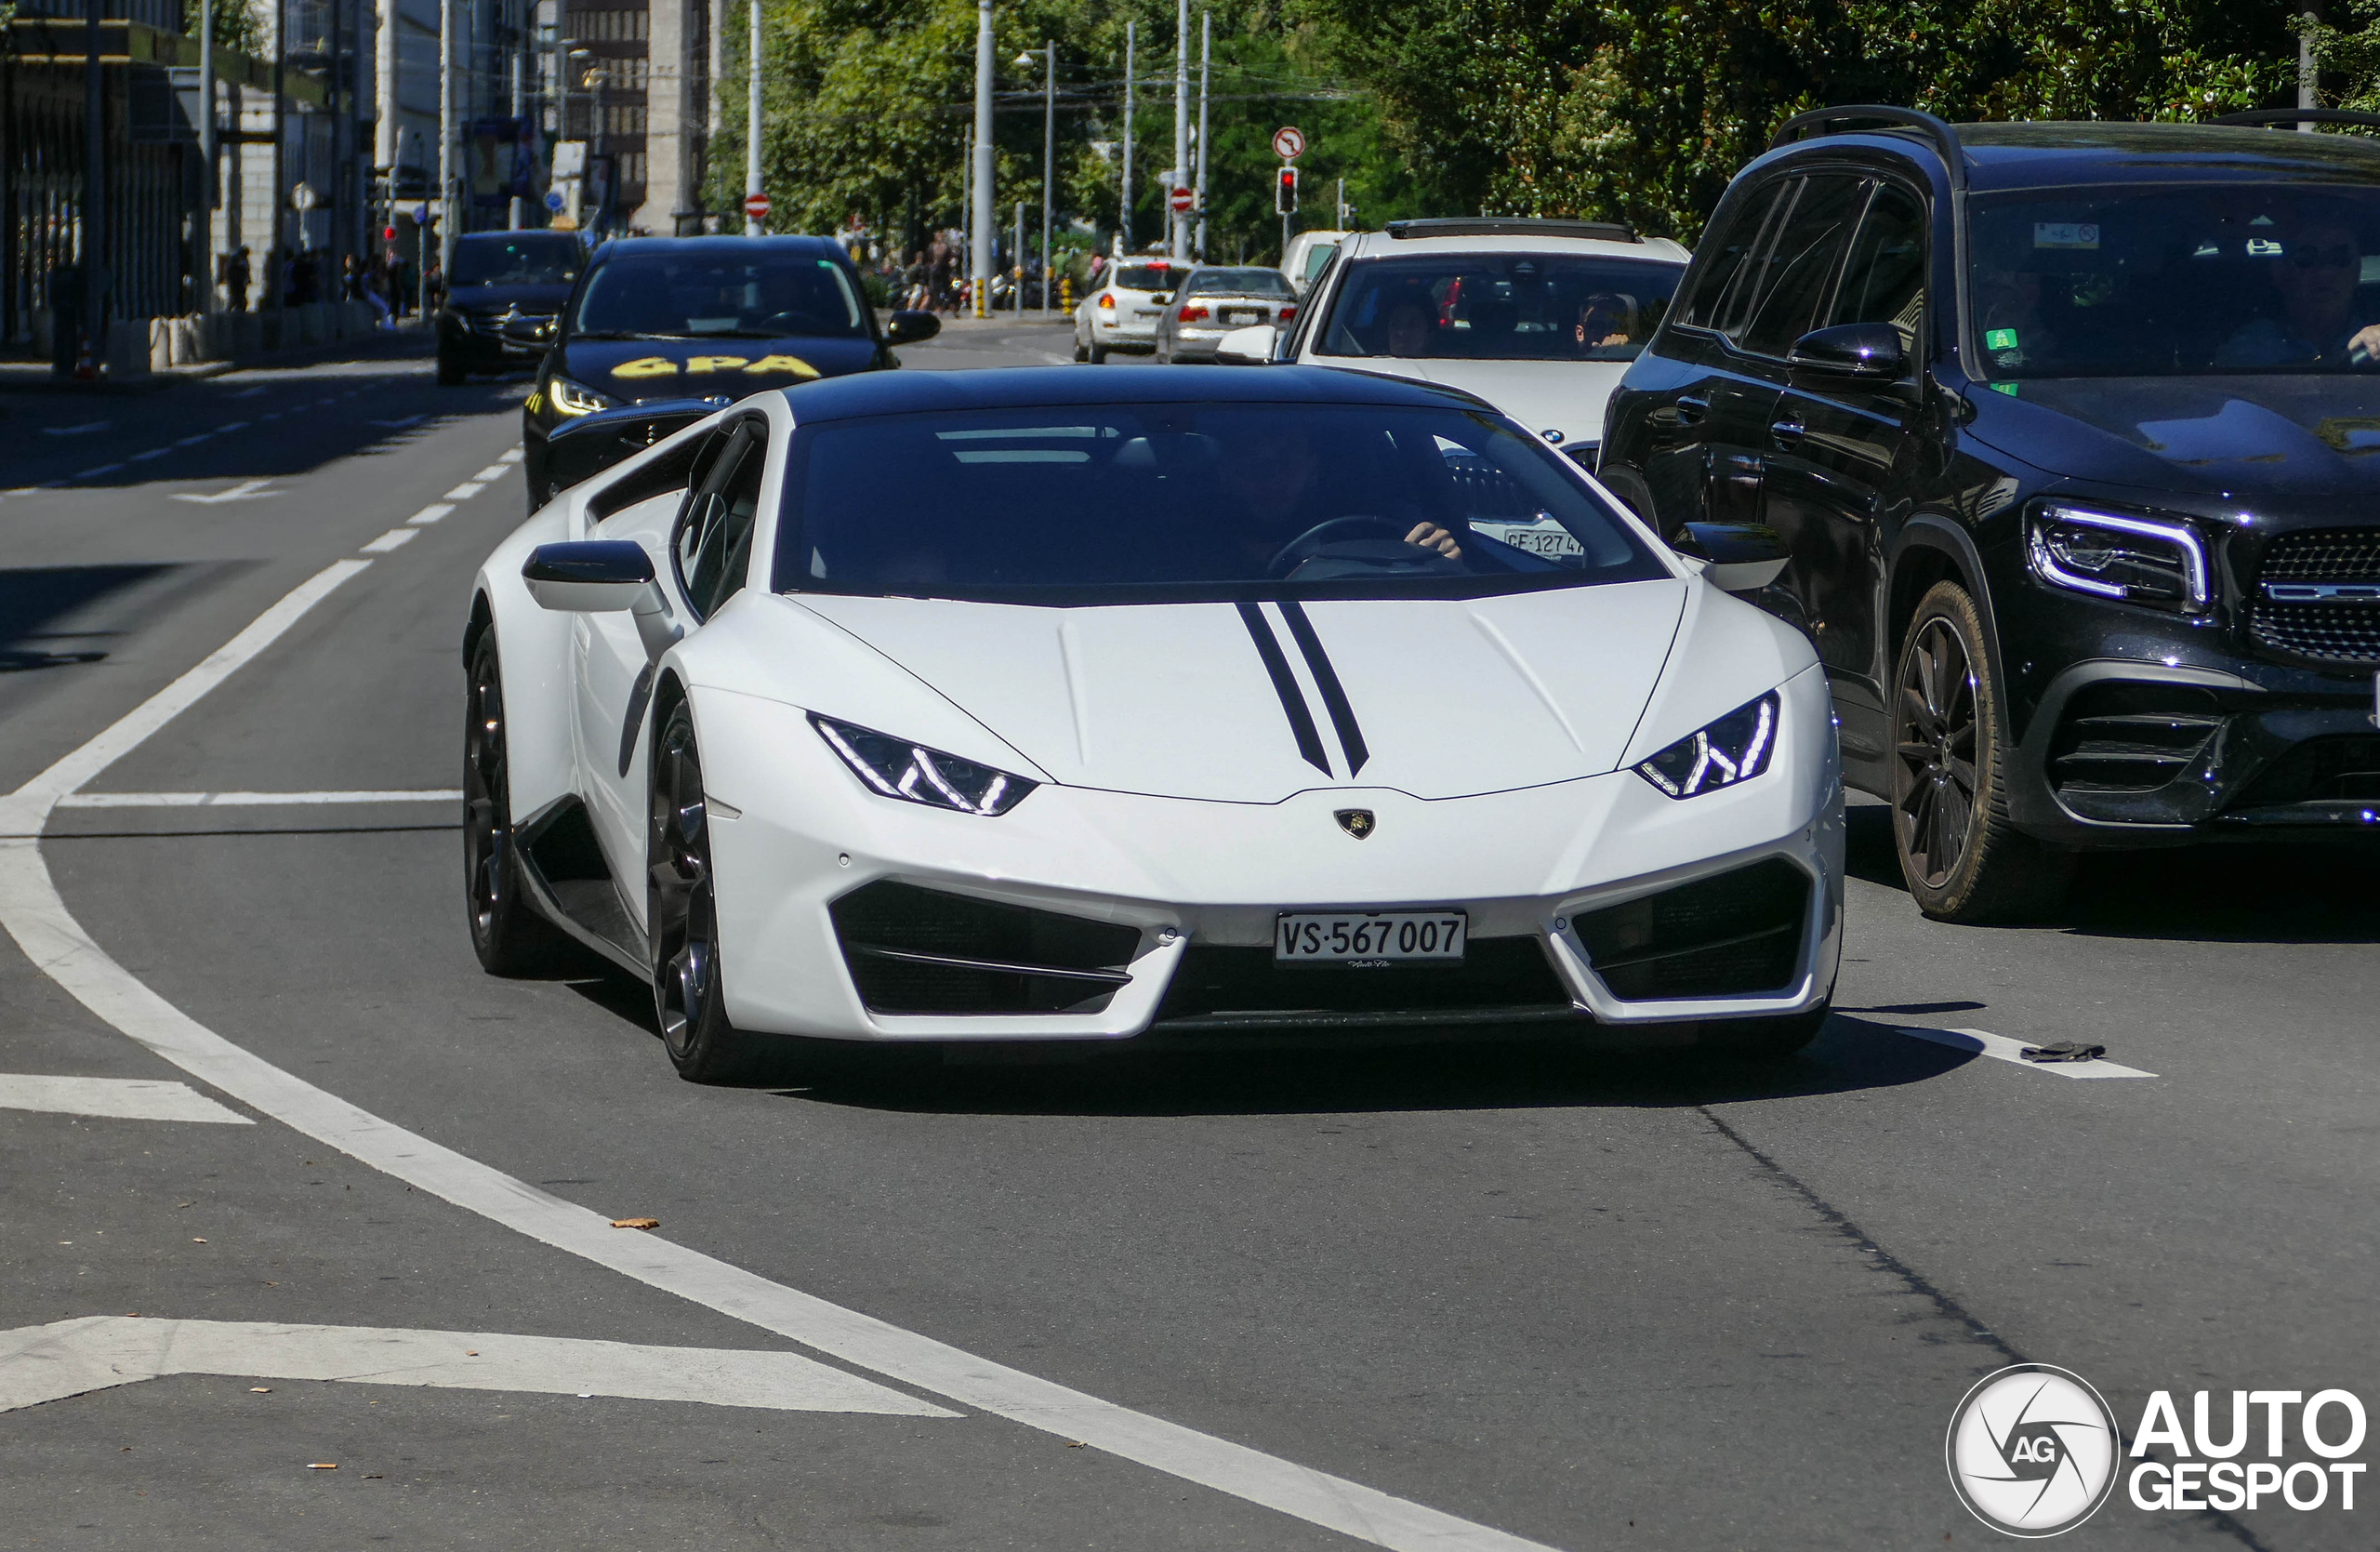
(1109, 703)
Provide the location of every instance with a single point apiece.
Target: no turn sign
(756, 207)
(1288, 142)
(1182, 200)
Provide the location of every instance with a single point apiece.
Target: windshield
(1145, 277)
(736, 292)
(1238, 283)
(2171, 281)
(1178, 502)
(1500, 306)
(526, 260)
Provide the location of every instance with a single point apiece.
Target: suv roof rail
(1822, 121)
(2262, 116)
(1512, 226)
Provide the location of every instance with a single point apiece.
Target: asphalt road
(1584, 1302)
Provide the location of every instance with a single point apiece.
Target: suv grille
(2329, 633)
(2130, 738)
(1226, 988)
(913, 950)
(1734, 934)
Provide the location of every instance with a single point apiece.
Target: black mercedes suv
(2073, 433)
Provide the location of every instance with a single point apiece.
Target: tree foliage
(238, 24)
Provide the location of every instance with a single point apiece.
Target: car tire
(1761, 1040)
(1096, 354)
(1962, 857)
(689, 986)
(507, 934)
(450, 371)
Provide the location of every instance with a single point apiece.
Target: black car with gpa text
(674, 322)
(2069, 428)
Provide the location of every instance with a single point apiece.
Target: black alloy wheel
(688, 990)
(508, 936)
(1962, 856)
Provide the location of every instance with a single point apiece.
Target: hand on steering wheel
(1425, 535)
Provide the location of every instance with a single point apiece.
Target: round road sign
(756, 207)
(1183, 201)
(1288, 142)
(554, 202)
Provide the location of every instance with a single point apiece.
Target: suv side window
(1884, 280)
(1718, 294)
(1801, 262)
(715, 541)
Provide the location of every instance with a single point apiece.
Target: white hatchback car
(1541, 318)
(1121, 312)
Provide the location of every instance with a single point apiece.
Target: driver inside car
(1269, 474)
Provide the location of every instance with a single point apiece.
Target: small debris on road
(636, 1223)
(196, 1241)
(259, 1390)
(322, 1466)
(2064, 1051)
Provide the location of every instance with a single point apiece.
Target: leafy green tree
(238, 24)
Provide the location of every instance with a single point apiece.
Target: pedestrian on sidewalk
(236, 280)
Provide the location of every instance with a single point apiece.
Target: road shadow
(33, 599)
(2220, 892)
(1143, 1078)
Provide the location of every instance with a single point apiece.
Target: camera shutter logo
(2032, 1451)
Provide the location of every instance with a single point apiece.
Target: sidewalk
(33, 374)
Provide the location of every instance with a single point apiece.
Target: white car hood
(1565, 396)
(1444, 699)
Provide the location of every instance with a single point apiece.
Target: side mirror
(589, 575)
(1737, 557)
(1871, 353)
(1249, 347)
(908, 327)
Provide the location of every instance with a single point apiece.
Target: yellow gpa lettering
(714, 363)
(647, 366)
(792, 365)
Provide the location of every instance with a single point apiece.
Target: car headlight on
(913, 772)
(1734, 749)
(570, 398)
(2153, 560)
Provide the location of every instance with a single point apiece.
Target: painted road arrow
(74, 1358)
(246, 490)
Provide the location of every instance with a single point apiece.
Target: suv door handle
(1691, 407)
(1786, 434)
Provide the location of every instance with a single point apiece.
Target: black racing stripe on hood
(1326, 678)
(1285, 684)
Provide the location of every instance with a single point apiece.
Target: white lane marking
(23, 811)
(246, 490)
(396, 425)
(394, 538)
(1983, 1042)
(74, 1358)
(118, 1098)
(152, 453)
(431, 513)
(492, 472)
(194, 441)
(56, 944)
(235, 425)
(465, 491)
(510, 455)
(257, 799)
(103, 469)
(86, 426)
(252, 393)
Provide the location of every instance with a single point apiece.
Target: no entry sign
(756, 207)
(1182, 200)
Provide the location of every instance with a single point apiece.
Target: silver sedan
(1214, 301)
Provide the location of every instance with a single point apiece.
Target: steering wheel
(1307, 545)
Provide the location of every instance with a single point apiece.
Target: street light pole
(1206, 52)
(1124, 214)
(1179, 231)
(981, 262)
(445, 137)
(206, 154)
(752, 117)
(1049, 158)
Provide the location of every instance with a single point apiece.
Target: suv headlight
(570, 398)
(1734, 749)
(913, 772)
(2160, 562)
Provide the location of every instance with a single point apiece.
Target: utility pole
(2305, 73)
(981, 262)
(519, 110)
(1049, 158)
(1124, 214)
(333, 285)
(95, 192)
(1179, 230)
(206, 154)
(967, 204)
(388, 147)
(1016, 256)
(1206, 51)
(445, 139)
(752, 117)
(279, 151)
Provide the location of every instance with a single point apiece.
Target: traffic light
(1285, 194)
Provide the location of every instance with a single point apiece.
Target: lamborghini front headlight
(1734, 749)
(897, 768)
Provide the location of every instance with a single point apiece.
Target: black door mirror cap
(589, 575)
(1871, 353)
(910, 325)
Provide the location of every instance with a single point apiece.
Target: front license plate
(1369, 937)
